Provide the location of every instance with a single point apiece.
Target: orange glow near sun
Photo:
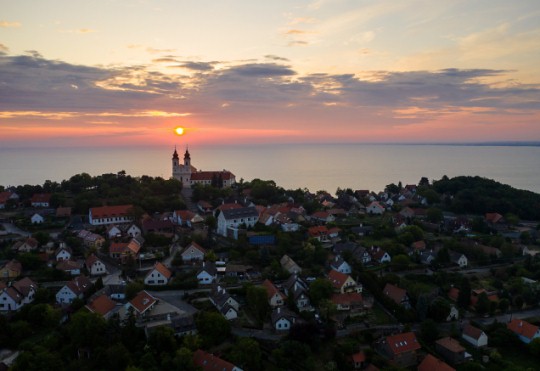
(179, 131)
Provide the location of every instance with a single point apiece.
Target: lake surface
(315, 166)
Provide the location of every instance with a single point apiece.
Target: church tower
(182, 172)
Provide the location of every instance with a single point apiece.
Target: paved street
(13, 229)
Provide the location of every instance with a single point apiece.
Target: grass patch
(379, 317)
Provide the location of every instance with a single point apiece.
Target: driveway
(13, 229)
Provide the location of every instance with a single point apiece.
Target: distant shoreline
(168, 146)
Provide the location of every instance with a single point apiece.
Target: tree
(213, 328)
(133, 288)
(257, 302)
(482, 305)
(439, 309)
(534, 347)
(162, 340)
(429, 330)
(247, 354)
(464, 297)
(434, 214)
(183, 360)
(319, 290)
(504, 304)
(86, 329)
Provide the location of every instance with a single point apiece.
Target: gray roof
(244, 212)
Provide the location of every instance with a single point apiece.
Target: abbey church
(188, 174)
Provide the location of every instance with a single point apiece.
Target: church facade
(189, 175)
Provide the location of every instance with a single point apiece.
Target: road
(13, 229)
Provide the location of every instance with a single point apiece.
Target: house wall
(155, 278)
(65, 296)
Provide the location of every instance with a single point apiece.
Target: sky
(128, 72)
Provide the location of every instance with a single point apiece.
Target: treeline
(477, 195)
(82, 191)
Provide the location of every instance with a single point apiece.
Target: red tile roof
(209, 362)
(41, 198)
(348, 298)
(451, 344)
(359, 357)
(431, 363)
(101, 305)
(210, 175)
(91, 260)
(271, 289)
(402, 343)
(4, 196)
(142, 302)
(395, 293)
(163, 270)
(472, 332)
(337, 279)
(110, 211)
(453, 293)
(523, 328)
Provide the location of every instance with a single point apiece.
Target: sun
(179, 131)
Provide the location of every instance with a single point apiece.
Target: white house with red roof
(375, 208)
(189, 175)
(95, 266)
(41, 200)
(209, 362)
(105, 215)
(142, 304)
(525, 331)
(474, 336)
(343, 282)
(123, 250)
(6, 196)
(73, 289)
(397, 295)
(193, 252)
(63, 252)
(102, 305)
(159, 275)
(401, 349)
(20, 293)
(275, 297)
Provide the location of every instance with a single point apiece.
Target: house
(379, 255)
(125, 250)
(358, 360)
(12, 269)
(141, 304)
(74, 289)
(375, 208)
(159, 275)
(209, 362)
(494, 218)
(340, 265)
(525, 331)
(28, 245)
(19, 294)
(474, 336)
(91, 240)
(113, 231)
(322, 217)
(431, 363)
(6, 196)
(282, 319)
(183, 325)
(105, 215)
(458, 258)
(70, 267)
(400, 349)
(224, 303)
(103, 306)
(40, 200)
(37, 219)
(63, 212)
(193, 252)
(297, 289)
(319, 232)
(275, 297)
(290, 265)
(362, 230)
(427, 257)
(204, 207)
(397, 295)
(207, 274)
(63, 252)
(229, 221)
(350, 301)
(158, 226)
(134, 231)
(343, 282)
(95, 266)
(451, 350)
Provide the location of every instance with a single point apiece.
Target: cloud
(197, 66)
(3, 49)
(276, 58)
(298, 43)
(295, 32)
(85, 30)
(8, 24)
(246, 94)
(164, 60)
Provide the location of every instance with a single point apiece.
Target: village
(202, 271)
